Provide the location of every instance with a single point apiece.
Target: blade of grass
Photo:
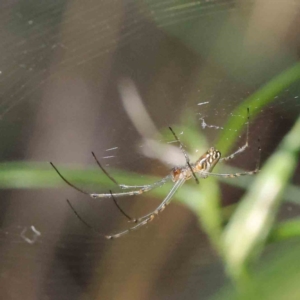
(249, 227)
(276, 277)
(285, 230)
(256, 101)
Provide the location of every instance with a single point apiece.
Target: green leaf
(249, 227)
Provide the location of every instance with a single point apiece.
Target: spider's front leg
(126, 187)
(245, 146)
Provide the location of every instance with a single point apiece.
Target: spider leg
(104, 195)
(120, 185)
(142, 190)
(68, 182)
(127, 187)
(86, 193)
(122, 211)
(84, 222)
(103, 170)
(160, 207)
(187, 159)
(149, 217)
(149, 187)
(246, 145)
(146, 219)
(228, 175)
(256, 170)
(92, 195)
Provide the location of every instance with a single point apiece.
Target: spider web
(110, 77)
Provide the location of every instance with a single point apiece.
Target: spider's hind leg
(150, 216)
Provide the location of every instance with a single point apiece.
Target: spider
(202, 167)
